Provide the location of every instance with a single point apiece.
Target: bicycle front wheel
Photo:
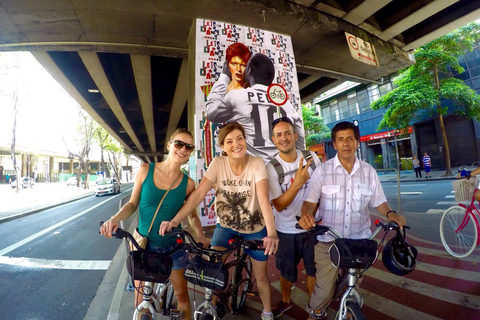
(459, 242)
(167, 300)
(241, 283)
(354, 312)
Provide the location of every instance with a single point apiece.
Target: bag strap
(279, 169)
(160, 204)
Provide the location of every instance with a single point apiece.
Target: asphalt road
(53, 262)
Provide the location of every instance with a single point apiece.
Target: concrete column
(385, 154)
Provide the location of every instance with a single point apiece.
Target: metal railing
(390, 179)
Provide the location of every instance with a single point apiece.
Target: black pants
(418, 172)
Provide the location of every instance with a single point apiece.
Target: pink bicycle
(459, 226)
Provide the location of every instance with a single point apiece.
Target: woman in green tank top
(151, 183)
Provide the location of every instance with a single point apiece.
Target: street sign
(362, 50)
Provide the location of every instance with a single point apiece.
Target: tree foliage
(425, 85)
(83, 145)
(315, 129)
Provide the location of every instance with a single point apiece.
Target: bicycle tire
(462, 243)
(241, 284)
(167, 300)
(354, 312)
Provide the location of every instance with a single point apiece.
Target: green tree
(115, 154)
(425, 85)
(315, 129)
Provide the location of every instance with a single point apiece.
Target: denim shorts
(179, 258)
(222, 235)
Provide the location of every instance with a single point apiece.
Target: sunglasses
(180, 144)
(226, 124)
(284, 119)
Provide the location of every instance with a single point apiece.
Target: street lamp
(359, 149)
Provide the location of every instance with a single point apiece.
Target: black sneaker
(280, 308)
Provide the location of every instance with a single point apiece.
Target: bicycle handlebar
(197, 247)
(123, 234)
(319, 229)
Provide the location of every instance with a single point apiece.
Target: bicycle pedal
(176, 314)
(251, 293)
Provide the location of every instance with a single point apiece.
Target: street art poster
(234, 98)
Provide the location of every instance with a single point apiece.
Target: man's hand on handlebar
(108, 227)
(398, 219)
(306, 221)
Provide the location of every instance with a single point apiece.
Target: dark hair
(260, 70)
(344, 125)
(238, 50)
(181, 130)
(226, 129)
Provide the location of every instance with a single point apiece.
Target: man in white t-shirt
(289, 175)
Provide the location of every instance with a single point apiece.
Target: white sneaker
(267, 316)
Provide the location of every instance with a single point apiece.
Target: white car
(25, 182)
(107, 186)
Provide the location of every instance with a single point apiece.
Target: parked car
(107, 186)
(25, 182)
(73, 182)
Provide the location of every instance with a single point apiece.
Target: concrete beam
(143, 80)
(365, 10)
(47, 62)
(454, 25)
(94, 67)
(307, 81)
(179, 100)
(415, 18)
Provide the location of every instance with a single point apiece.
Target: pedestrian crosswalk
(440, 287)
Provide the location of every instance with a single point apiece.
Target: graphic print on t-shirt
(231, 207)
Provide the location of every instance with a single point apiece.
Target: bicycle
(231, 296)
(157, 297)
(459, 226)
(345, 287)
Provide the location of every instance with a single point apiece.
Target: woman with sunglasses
(241, 203)
(151, 183)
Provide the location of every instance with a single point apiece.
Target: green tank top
(150, 198)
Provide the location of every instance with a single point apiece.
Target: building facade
(380, 148)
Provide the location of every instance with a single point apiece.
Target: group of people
(264, 184)
(427, 166)
(339, 191)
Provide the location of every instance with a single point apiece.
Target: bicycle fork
(351, 294)
(206, 308)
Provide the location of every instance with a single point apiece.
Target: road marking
(413, 185)
(41, 233)
(450, 197)
(447, 203)
(56, 264)
(411, 192)
(436, 211)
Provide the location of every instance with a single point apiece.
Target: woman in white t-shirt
(241, 203)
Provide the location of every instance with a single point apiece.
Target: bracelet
(390, 212)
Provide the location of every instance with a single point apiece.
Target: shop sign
(382, 135)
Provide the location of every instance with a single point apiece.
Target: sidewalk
(15, 204)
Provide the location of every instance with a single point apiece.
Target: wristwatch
(390, 212)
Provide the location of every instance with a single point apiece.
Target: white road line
(56, 264)
(450, 196)
(447, 203)
(411, 192)
(413, 185)
(41, 233)
(436, 211)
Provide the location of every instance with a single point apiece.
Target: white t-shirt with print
(286, 219)
(236, 202)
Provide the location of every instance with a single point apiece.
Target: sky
(47, 112)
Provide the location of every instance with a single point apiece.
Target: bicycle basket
(464, 188)
(212, 275)
(353, 253)
(149, 266)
